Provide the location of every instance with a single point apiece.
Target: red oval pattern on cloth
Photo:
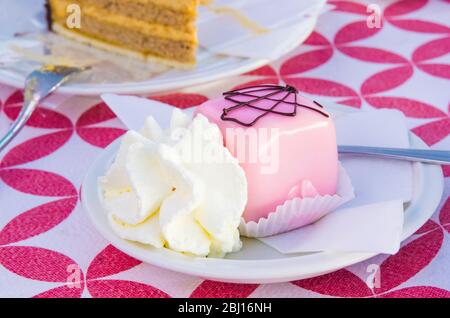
(352, 102)
(96, 114)
(37, 220)
(36, 263)
(354, 31)
(342, 283)
(446, 170)
(430, 225)
(180, 100)
(394, 271)
(123, 289)
(306, 61)
(444, 215)
(370, 54)
(431, 50)
(37, 182)
(15, 99)
(36, 148)
(349, 7)
(317, 39)
(410, 107)
(433, 132)
(61, 292)
(418, 292)
(270, 80)
(100, 136)
(412, 258)
(110, 261)
(438, 70)
(386, 80)
(210, 289)
(420, 26)
(98, 126)
(322, 87)
(403, 7)
(266, 70)
(87, 126)
(41, 117)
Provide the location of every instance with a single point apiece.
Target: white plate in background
(118, 74)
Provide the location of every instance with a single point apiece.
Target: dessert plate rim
(428, 189)
(240, 66)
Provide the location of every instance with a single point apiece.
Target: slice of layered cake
(162, 30)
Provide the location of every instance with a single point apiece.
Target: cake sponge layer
(154, 12)
(126, 31)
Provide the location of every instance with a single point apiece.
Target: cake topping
(317, 103)
(251, 96)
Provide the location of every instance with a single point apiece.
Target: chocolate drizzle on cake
(317, 103)
(273, 92)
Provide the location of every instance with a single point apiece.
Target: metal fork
(421, 155)
(38, 85)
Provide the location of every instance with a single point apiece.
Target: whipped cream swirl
(180, 188)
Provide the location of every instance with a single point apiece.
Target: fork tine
(38, 85)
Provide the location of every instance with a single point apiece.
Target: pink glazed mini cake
(285, 143)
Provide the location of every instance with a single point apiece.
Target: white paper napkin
(372, 222)
(376, 180)
(286, 22)
(376, 229)
(132, 110)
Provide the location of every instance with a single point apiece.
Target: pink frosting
(296, 156)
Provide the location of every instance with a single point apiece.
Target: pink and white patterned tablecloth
(46, 237)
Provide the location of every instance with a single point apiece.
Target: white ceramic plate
(115, 74)
(256, 262)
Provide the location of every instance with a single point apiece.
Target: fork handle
(422, 155)
(27, 110)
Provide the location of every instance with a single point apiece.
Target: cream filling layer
(189, 6)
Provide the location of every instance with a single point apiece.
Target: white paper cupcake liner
(298, 212)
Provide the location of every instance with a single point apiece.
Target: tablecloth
(48, 247)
